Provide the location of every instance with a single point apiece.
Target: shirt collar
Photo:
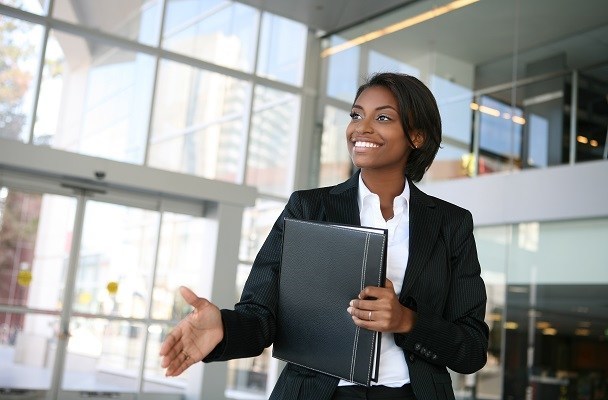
(403, 199)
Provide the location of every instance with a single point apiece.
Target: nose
(364, 126)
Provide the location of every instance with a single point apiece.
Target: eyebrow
(377, 108)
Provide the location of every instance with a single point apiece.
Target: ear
(417, 138)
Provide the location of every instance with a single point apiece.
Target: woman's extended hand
(194, 337)
(378, 309)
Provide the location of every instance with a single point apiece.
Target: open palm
(194, 337)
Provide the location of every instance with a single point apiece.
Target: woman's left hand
(378, 309)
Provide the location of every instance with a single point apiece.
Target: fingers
(179, 363)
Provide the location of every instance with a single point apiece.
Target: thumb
(389, 284)
(190, 297)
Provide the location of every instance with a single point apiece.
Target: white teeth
(365, 144)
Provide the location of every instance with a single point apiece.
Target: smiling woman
(431, 310)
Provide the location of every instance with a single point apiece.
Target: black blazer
(442, 284)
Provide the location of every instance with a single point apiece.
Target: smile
(366, 144)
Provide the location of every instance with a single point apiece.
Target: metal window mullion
(573, 116)
(249, 117)
(476, 137)
(142, 367)
(45, 38)
(68, 299)
(158, 58)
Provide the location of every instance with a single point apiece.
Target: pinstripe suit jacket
(442, 284)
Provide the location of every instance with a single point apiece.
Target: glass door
(89, 288)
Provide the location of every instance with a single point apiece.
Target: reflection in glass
(538, 141)
(273, 140)
(134, 19)
(198, 123)
(500, 134)
(103, 355)
(454, 102)
(20, 44)
(94, 99)
(335, 164)
(282, 45)
(27, 350)
(116, 260)
(217, 31)
(35, 239)
(451, 162)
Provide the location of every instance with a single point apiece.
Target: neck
(387, 185)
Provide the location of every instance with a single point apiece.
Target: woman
(431, 310)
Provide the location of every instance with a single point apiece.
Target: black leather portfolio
(325, 266)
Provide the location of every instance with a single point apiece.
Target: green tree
(15, 81)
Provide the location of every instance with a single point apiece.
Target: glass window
(379, 62)
(20, 44)
(452, 161)
(27, 347)
(257, 223)
(199, 123)
(33, 6)
(134, 19)
(180, 258)
(94, 99)
(500, 134)
(108, 353)
(220, 32)
(273, 141)
(336, 165)
(282, 50)
(116, 260)
(343, 72)
(35, 242)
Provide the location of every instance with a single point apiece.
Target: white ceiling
(328, 15)
(478, 34)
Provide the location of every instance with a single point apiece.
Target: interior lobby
(149, 144)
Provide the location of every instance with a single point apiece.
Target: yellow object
(24, 277)
(112, 287)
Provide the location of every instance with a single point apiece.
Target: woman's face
(375, 136)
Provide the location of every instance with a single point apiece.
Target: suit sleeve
(455, 336)
(251, 326)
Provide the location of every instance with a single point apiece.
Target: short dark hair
(418, 110)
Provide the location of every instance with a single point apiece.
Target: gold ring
(370, 315)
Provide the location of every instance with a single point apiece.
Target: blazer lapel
(425, 224)
(341, 203)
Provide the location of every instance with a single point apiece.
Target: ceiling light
(543, 325)
(581, 332)
(518, 120)
(582, 139)
(511, 325)
(593, 143)
(406, 23)
(550, 331)
(490, 111)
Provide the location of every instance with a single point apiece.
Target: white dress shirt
(393, 368)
